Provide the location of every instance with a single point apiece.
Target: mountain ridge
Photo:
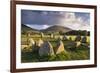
(54, 28)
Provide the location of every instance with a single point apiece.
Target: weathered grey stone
(84, 39)
(60, 47)
(78, 38)
(46, 49)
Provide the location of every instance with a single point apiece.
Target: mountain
(26, 28)
(56, 28)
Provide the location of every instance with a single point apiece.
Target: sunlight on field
(24, 39)
(35, 38)
(71, 52)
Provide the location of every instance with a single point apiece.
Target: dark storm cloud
(44, 19)
(41, 17)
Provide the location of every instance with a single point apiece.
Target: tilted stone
(46, 49)
(60, 47)
(78, 44)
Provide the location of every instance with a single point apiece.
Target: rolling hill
(56, 28)
(51, 29)
(26, 28)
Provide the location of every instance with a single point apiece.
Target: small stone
(65, 38)
(78, 44)
(84, 39)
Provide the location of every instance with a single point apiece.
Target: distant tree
(78, 32)
(70, 38)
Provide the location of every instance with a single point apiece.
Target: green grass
(64, 56)
(73, 53)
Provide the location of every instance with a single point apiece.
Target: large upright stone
(31, 42)
(39, 42)
(60, 47)
(42, 35)
(46, 49)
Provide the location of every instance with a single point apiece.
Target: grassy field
(71, 53)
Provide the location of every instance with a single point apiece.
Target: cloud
(40, 17)
(75, 23)
(46, 19)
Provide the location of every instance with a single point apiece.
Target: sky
(43, 19)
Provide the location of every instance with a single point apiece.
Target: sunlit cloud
(44, 19)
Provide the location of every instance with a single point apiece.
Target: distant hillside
(57, 29)
(26, 28)
(52, 29)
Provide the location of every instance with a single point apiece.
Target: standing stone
(78, 43)
(51, 35)
(84, 39)
(78, 38)
(61, 37)
(39, 42)
(60, 47)
(31, 42)
(46, 49)
(28, 36)
(42, 35)
(64, 37)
